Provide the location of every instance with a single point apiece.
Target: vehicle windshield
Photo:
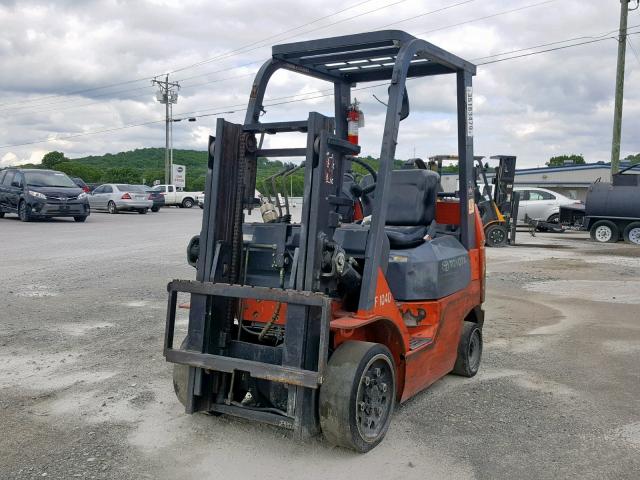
(39, 178)
(131, 188)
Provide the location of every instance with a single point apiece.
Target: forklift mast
(307, 280)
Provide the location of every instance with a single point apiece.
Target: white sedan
(541, 204)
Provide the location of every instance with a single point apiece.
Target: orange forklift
(323, 326)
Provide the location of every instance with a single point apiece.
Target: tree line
(145, 165)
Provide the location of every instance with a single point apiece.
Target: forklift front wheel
(496, 235)
(357, 395)
(181, 378)
(469, 351)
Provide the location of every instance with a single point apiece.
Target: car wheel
(155, 209)
(496, 235)
(111, 208)
(201, 207)
(469, 351)
(142, 211)
(631, 233)
(555, 218)
(187, 203)
(80, 219)
(24, 211)
(357, 395)
(605, 231)
(1, 214)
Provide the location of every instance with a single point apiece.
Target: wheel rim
(475, 350)
(634, 235)
(497, 236)
(112, 207)
(22, 211)
(603, 233)
(374, 398)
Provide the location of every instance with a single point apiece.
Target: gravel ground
(85, 391)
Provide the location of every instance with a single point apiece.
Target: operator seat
(411, 206)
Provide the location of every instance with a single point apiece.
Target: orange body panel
(436, 324)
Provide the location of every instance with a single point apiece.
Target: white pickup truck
(173, 197)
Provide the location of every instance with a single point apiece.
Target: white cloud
(534, 107)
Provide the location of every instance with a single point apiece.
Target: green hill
(145, 165)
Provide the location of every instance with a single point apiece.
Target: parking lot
(85, 391)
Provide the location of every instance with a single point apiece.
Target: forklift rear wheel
(604, 231)
(631, 233)
(469, 351)
(496, 235)
(358, 395)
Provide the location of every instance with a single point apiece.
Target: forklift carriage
(324, 325)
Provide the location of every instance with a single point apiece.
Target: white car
(200, 199)
(541, 204)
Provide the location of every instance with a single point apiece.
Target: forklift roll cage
(391, 55)
(216, 294)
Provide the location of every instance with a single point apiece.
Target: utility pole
(167, 95)
(617, 113)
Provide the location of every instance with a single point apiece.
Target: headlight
(82, 195)
(37, 195)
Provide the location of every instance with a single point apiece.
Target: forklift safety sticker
(329, 167)
(469, 111)
(472, 205)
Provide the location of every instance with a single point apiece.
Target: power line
(595, 36)
(125, 82)
(633, 49)
(245, 48)
(551, 50)
(425, 14)
(473, 20)
(290, 101)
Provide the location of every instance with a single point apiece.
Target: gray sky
(534, 107)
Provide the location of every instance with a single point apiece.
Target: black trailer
(612, 210)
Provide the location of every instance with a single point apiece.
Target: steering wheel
(358, 191)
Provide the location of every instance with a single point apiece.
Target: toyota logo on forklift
(320, 326)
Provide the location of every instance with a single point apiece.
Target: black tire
(201, 207)
(155, 209)
(469, 351)
(111, 208)
(80, 219)
(187, 202)
(555, 218)
(142, 211)
(604, 231)
(631, 233)
(1, 214)
(24, 211)
(357, 395)
(496, 235)
(181, 378)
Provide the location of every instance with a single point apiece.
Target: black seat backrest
(412, 197)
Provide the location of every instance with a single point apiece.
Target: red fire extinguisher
(355, 120)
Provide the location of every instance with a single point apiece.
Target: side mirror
(404, 111)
